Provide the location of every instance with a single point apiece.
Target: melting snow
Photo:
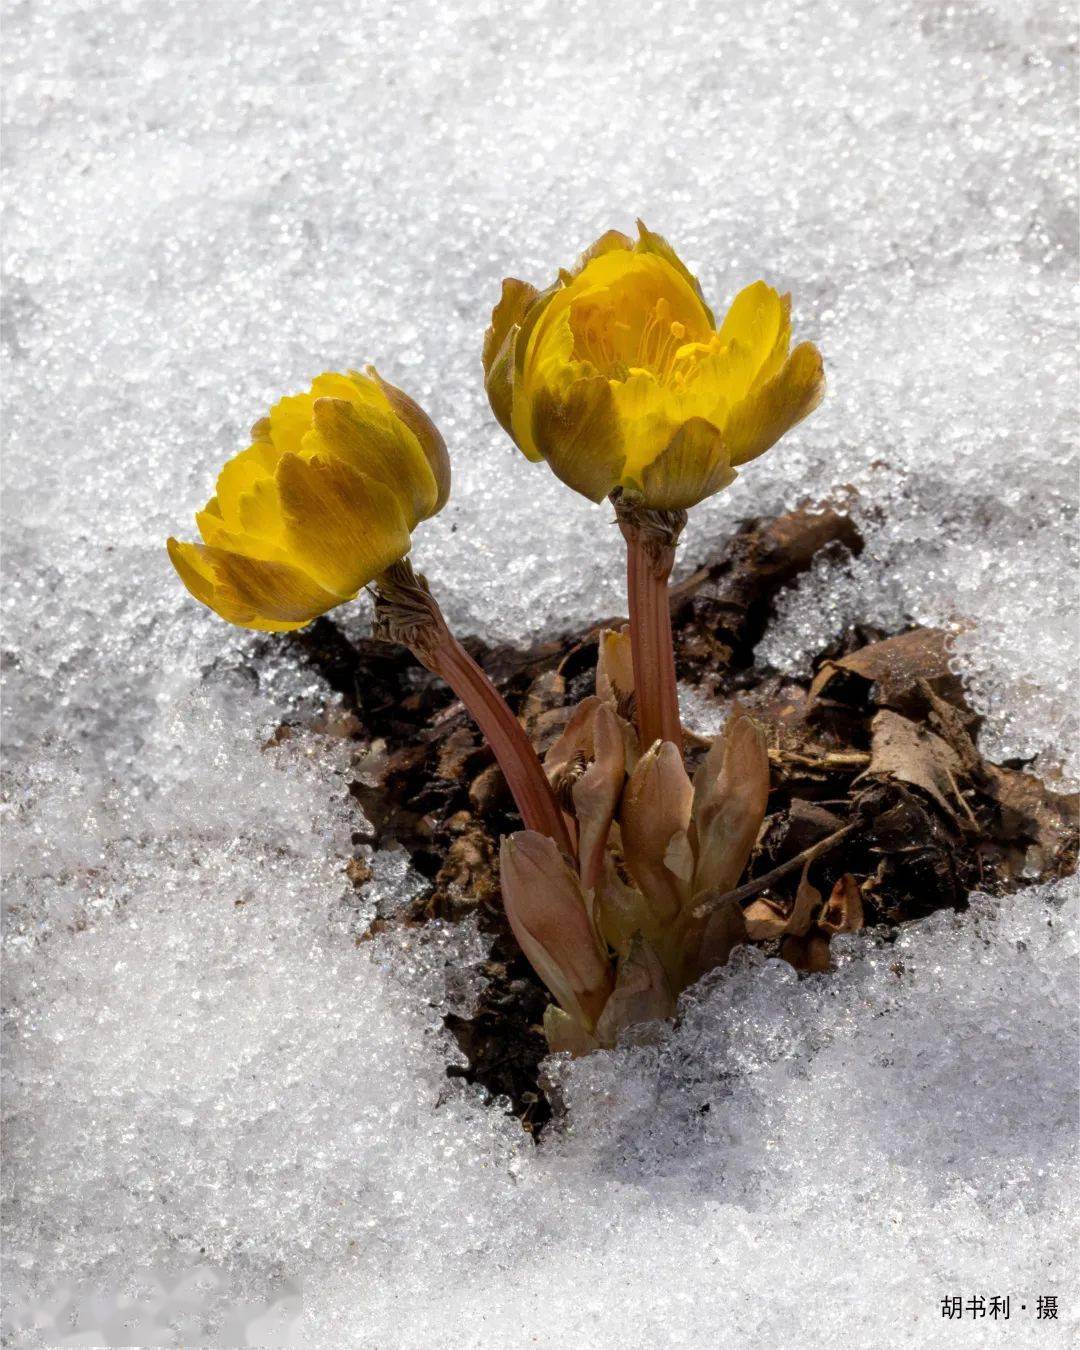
(228, 1124)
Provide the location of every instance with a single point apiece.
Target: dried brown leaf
(895, 665)
(843, 912)
(907, 753)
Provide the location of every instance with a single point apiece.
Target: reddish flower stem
(649, 560)
(407, 612)
(522, 769)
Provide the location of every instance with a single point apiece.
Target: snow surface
(225, 1122)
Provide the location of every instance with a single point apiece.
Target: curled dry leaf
(767, 918)
(806, 927)
(843, 912)
(896, 665)
(902, 751)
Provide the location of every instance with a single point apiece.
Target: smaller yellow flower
(618, 375)
(323, 500)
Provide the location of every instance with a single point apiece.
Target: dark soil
(881, 737)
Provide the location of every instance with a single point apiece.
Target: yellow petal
(756, 319)
(427, 435)
(355, 387)
(648, 242)
(340, 526)
(498, 351)
(380, 446)
(578, 434)
(266, 593)
(720, 376)
(643, 407)
(259, 510)
(194, 570)
(759, 421)
(610, 241)
(270, 596)
(774, 362)
(290, 422)
(240, 475)
(216, 533)
(694, 466)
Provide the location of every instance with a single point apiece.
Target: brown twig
(759, 884)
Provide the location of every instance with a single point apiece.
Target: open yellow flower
(618, 375)
(324, 499)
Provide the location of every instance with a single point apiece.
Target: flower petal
(578, 434)
(610, 241)
(374, 442)
(342, 527)
(427, 434)
(694, 466)
(648, 242)
(249, 592)
(521, 406)
(254, 465)
(498, 351)
(759, 421)
(216, 533)
(757, 318)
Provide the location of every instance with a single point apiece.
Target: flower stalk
(407, 612)
(651, 536)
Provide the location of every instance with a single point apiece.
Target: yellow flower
(323, 500)
(618, 375)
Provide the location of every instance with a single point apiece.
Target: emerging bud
(589, 761)
(654, 820)
(731, 791)
(547, 912)
(619, 377)
(615, 670)
(323, 500)
(641, 994)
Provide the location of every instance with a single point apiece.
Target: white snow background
(227, 1124)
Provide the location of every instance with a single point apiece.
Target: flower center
(618, 338)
